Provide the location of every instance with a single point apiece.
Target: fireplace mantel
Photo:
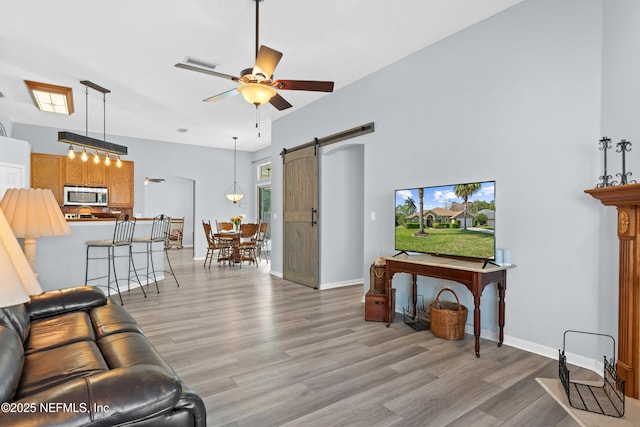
(627, 199)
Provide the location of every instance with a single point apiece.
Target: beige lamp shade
(33, 213)
(17, 280)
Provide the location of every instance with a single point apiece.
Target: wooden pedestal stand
(627, 199)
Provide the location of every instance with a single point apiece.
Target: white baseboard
(333, 285)
(596, 366)
(324, 286)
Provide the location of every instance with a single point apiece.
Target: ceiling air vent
(200, 63)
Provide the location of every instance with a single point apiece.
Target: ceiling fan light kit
(256, 85)
(256, 93)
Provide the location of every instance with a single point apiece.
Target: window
(264, 172)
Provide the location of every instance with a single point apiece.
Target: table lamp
(33, 213)
(17, 279)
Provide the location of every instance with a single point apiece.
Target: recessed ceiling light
(51, 98)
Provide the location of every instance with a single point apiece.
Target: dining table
(233, 239)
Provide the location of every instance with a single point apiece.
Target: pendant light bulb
(118, 162)
(107, 159)
(84, 156)
(96, 157)
(71, 154)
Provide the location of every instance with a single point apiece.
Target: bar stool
(122, 238)
(159, 234)
(167, 245)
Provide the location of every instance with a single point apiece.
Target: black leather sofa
(72, 358)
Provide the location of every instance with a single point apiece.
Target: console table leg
(476, 322)
(390, 302)
(414, 294)
(502, 286)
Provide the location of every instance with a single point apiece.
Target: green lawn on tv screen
(446, 241)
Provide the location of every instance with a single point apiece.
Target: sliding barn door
(301, 262)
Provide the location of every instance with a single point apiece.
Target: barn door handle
(314, 212)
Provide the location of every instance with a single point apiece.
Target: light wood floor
(262, 351)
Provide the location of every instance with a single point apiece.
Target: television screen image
(455, 220)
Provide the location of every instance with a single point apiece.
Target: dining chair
(224, 226)
(261, 241)
(175, 233)
(215, 242)
(248, 243)
(210, 242)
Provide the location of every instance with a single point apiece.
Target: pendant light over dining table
(234, 193)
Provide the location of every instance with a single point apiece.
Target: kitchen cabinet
(53, 172)
(77, 172)
(46, 172)
(120, 184)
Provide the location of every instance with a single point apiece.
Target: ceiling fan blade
(266, 61)
(279, 102)
(311, 85)
(205, 71)
(221, 96)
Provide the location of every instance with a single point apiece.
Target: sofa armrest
(193, 403)
(119, 396)
(64, 300)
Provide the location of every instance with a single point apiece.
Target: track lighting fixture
(100, 146)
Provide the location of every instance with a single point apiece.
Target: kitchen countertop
(101, 219)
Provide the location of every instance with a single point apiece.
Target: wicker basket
(448, 318)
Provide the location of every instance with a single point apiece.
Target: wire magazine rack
(418, 320)
(606, 399)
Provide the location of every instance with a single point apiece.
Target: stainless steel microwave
(93, 196)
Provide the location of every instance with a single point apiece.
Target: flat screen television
(455, 220)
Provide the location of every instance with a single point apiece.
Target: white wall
(172, 197)
(15, 163)
(620, 107)
(340, 220)
(515, 99)
(7, 124)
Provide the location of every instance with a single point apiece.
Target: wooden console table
(627, 199)
(469, 273)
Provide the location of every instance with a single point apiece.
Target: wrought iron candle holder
(605, 144)
(624, 146)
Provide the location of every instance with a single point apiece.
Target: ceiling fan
(256, 84)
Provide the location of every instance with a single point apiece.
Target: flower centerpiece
(237, 220)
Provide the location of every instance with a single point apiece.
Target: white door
(11, 176)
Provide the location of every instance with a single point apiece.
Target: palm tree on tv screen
(421, 197)
(464, 191)
(409, 206)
